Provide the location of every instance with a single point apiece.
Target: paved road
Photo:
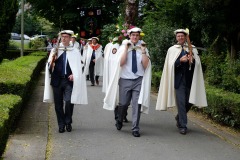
(94, 136)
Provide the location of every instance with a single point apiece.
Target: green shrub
(13, 54)
(10, 107)
(38, 43)
(15, 75)
(223, 106)
(156, 77)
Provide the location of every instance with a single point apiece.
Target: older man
(64, 81)
(134, 78)
(182, 83)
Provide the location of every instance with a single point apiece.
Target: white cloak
(75, 44)
(98, 61)
(166, 94)
(84, 56)
(110, 99)
(108, 66)
(79, 92)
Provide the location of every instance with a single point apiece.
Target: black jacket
(182, 70)
(56, 75)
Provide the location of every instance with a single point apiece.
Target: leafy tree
(33, 24)
(66, 13)
(8, 10)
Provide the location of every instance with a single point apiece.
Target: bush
(223, 106)
(13, 54)
(38, 43)
(156, 77)
(10, 107)
(15, 75)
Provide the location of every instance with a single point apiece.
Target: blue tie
(64, 63)
(183, 52)
(134, 61)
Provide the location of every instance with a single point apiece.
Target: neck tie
(93, 55)
(183, 52)
(134, 61)
(64, 63)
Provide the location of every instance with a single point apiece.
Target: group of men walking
(126, 70)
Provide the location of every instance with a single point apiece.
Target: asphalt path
(95, 137)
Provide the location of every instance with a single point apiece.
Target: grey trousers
(182, 98)
(129, 90)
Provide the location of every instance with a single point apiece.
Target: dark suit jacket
(182, 71)
(56, 75)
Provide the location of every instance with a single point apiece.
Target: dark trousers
(183, 106)
(91, 73)
(63, 93)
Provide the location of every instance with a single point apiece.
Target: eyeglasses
(65, 37)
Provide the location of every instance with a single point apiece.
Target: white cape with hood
(110, 99)
(166, 94)
(79, 92)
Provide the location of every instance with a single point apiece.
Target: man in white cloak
(94, 61)
(64, 81)
(182, 82)
(133, 77)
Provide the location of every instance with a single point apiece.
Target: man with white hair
(64, 81)
(182, 83)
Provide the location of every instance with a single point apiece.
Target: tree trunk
(131, 12)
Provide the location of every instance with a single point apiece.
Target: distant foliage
(8, 11)
(159, 37)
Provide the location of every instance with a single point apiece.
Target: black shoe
(118, 125)
(177, 124)
(61, 130)
(136, 134)
(125, 120)
(69, 127)
(92, 84)
(183, 131)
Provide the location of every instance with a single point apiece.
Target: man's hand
(143, 48)
(70, 77)
(184, 58)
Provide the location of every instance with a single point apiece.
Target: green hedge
(13, 54)
(15, 76)
(224, 106)
(10, 107)
(16, 79)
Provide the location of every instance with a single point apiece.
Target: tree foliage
(213, 24)
(65, 13)
(8, 10)
(33, 24)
